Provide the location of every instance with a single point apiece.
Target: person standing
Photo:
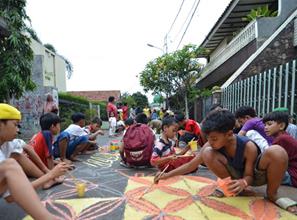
(111, 107)
(125, 111)
(50, 105)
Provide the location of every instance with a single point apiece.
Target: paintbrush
(153, 182)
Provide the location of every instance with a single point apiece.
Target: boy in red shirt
(276, 124)
(190, 130)
(42, 142)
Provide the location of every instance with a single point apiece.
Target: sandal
(285, 203)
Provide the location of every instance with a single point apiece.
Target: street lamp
(159, 48)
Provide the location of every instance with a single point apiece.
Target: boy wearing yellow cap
(10, 147)
(12, 177)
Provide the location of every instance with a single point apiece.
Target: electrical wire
(180, 7)
(188, 25)
(187, 18)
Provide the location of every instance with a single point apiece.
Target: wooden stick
(153, 182)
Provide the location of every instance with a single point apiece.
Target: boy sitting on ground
(164, 152)
(13, 148)
(93, 130)
(190, 130)
(72, 140)
(42, 141)
(252, 126)
(275, 125)
(228, 155)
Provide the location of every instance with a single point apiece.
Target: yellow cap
(9, 112)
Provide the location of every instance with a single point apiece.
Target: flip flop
(286, 203)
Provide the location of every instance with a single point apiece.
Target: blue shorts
(60, 137)
(73, 144)
(287, 179)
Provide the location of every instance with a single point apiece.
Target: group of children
(261, 153)
(252, 151)
(45, 159)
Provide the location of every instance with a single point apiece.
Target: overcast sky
(106, 40)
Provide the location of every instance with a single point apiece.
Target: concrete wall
(54, 67)
(48, 73)
(280, 51)
(219, 49)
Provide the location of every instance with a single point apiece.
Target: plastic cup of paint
(223, 184)
(80, 188)
(193, 145)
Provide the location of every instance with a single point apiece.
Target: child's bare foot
(50, 184)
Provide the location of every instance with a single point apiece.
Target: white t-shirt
(75, 131)
(6, 149)
(9, 147)
(258, 139)
(112, 121)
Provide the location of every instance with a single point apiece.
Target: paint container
(223, 184)
(114, 145)
(193, 145)
(80, 189)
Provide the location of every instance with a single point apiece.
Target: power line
(180, 7)
(187, 18)
(188, 24)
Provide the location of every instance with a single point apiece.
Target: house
(238, 50)
(100, 95)
(49, 75)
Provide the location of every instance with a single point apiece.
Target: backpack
(138, 145)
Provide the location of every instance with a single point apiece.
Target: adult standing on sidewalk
(111, 107)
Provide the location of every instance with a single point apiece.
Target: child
(249, 121)
(291, 129)
(190, 130)
(112, 124)
(93, 130)
(14, 148)
(12, 177)
(275, 126)
(228, 155)
(164, 152)
(42, 141)
(73, 139)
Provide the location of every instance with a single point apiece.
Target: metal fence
(265, 91)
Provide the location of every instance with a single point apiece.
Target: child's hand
(236, 186)
(173, 157)
(100, 132)
(159, 177)
(59, 170)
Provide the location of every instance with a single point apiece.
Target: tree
(126, 97)
(174, 73)
(140, 99)
(16, 55)
(50, 47)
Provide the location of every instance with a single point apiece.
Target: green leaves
(15, 52)
(263, 11)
